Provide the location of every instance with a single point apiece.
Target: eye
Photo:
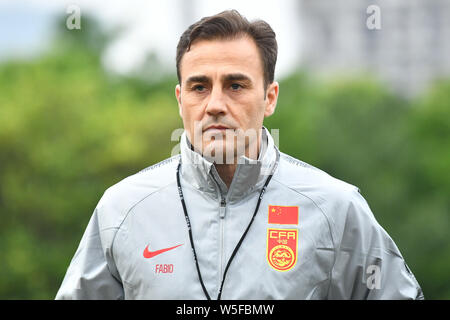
(236, 86)
(199, 88)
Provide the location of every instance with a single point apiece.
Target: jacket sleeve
(368, 264)
(92, 273)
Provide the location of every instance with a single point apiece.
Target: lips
(216, 127)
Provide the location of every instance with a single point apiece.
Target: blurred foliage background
(69, 130)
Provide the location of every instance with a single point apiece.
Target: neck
(226, 171)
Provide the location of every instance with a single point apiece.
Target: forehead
(217, 57)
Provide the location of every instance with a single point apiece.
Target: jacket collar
(249, 175)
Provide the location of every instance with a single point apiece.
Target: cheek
(191, 115)
(191, 110)
(249, 112)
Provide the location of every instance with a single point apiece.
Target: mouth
(216, 127)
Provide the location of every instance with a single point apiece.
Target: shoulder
(314, 182)
(339, 201)
(120, 198)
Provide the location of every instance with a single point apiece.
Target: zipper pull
(222, 208)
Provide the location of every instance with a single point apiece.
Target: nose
(216, 104)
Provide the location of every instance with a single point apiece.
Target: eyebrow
(227, 77)
(236, 77)
(199, 78)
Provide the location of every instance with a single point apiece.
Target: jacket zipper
(222, 222)
(222, 212)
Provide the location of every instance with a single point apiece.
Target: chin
(219, 152)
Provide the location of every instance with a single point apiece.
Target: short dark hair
(228, 25)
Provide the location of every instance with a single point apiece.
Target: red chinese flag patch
(283, 215)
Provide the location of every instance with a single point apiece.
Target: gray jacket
(313, 237)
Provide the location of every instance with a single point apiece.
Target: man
(232, 217)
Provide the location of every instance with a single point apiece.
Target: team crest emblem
(282, 248)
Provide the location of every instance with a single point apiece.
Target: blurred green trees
(68, 131)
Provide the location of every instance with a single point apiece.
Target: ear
(178, 96)
(271, 98)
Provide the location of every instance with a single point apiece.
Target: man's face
(222, 94)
